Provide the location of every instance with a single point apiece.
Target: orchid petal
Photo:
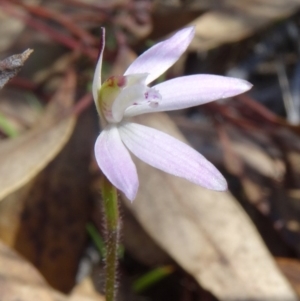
(129, 96)
(188, 91)
(115, 162)
(97, 75)
(132, 93)
(170, 155)
(163, 55)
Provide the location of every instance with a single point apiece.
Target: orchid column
(121, 97)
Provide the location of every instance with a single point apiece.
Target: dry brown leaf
(85, 291)
(19, 280)
(291, 269)
(58, 195)
(10, 29)
(293, 158)
(150, 254)
(224, 21)
(24, 157)
(259, 160)
(207, 233)
(235, 20)
(255, 193)
(19, 112)
(10, 66)
(216, 28)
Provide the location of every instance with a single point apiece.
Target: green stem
(111, 213)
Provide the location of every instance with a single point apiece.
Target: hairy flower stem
(111, 214)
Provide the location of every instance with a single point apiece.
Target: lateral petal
(171, 155)
(115, 162)
(163, 55)
(189, 91)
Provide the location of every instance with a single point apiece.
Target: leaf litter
(10, 66)
(203, 232)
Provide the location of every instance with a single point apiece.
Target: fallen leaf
(85, 291)
(259, 160)
(24, 157)
(10, 66)
(150, 254)
(10, 29)
(223, 21)
(237, 20)
(291, 269)
(206, 232)
(19, 280)
(60, 195)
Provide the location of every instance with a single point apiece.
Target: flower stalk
(121, 97)
(112, 224)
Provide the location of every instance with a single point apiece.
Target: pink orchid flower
(121, 97)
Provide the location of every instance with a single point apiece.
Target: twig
(292, 116)
(54, 34)
(65, 21)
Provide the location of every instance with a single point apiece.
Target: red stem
(54, 34)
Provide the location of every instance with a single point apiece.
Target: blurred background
(179, 242)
